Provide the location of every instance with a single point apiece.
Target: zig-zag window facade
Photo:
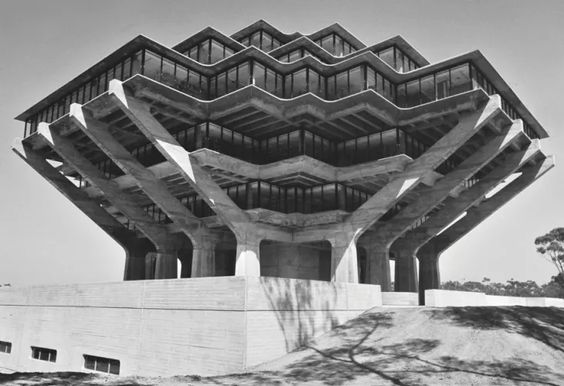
(326, 84)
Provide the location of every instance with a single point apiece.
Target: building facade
(285, 155)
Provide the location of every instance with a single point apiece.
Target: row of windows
(335, 44)
(392, 56)
(262, 40)
(427, 88)
(283, 146)
(261, 194)
(105, 365)
(397, 59)
(209, 51)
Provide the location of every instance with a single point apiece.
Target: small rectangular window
(103, 365)
(5, 347)
(44, 354)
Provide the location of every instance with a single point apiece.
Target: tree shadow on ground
(360, 356)
(63, 378)
(545, 324)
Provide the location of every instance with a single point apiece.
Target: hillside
(399, 346)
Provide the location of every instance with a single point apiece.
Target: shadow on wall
(303, 308)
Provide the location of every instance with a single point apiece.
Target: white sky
(44, 44)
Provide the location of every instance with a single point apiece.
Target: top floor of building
(330, 63)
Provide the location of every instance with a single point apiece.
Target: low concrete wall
(182, 326)
(400, 298)
(444, 298)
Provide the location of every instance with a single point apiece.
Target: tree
(551, 247)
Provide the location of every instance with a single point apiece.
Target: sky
(44, 239)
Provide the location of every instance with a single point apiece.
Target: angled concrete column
(453, 208)
(136, 250)
(151, 185)
(344, 261)
(90, 207)
(378, 266)
(247, 261)
(422, 167)
(125, 202)
(487, 207)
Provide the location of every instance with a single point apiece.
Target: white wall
(444, 298)
(200, 326)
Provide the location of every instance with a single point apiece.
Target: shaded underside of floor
(398, 346)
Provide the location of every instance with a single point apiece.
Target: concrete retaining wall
(400, 298)
(444, 298)
(184, 326)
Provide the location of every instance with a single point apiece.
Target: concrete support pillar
(203, 259)
(165, 264)
(406, 274)
(135, 253)
(378, 267)
(429, 274)
(344, 262)
(247, 261)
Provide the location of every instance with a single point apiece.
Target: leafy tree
(551, 247)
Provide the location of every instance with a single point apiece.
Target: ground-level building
(295, 156)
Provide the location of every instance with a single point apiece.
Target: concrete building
(265, 154)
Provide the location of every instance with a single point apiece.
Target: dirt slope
(399, 346)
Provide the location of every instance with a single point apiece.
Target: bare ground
(396, 346)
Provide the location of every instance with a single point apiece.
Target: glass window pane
(299, 85)
(460, 79)
(266, 42)
(338, 46)
(427, 89)
(356, 80)
(342, 86)
(442, 84)
(152, 65)
(387, 56)
(216, 53)
(167, 72)
(399, 60)
(204, 53)
(370, 78)
(412, 93)
(232, 80)
(255, 39)
(259, 75)
(295, 55)
(243, 74)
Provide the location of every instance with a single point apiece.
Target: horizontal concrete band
(445, 298)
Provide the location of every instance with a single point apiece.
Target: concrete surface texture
(201, 326)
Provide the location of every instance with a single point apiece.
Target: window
(103, 365)
(44, 354)
(5, 347)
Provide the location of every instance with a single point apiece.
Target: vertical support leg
(247, 261)
(378, 267)
(165, 264)
(135, 251)
(203, 259)
(406, 274)
(344, 261)
(429, 274)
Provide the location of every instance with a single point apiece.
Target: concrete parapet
(400, 299)
(444, 298)
(200, 326)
